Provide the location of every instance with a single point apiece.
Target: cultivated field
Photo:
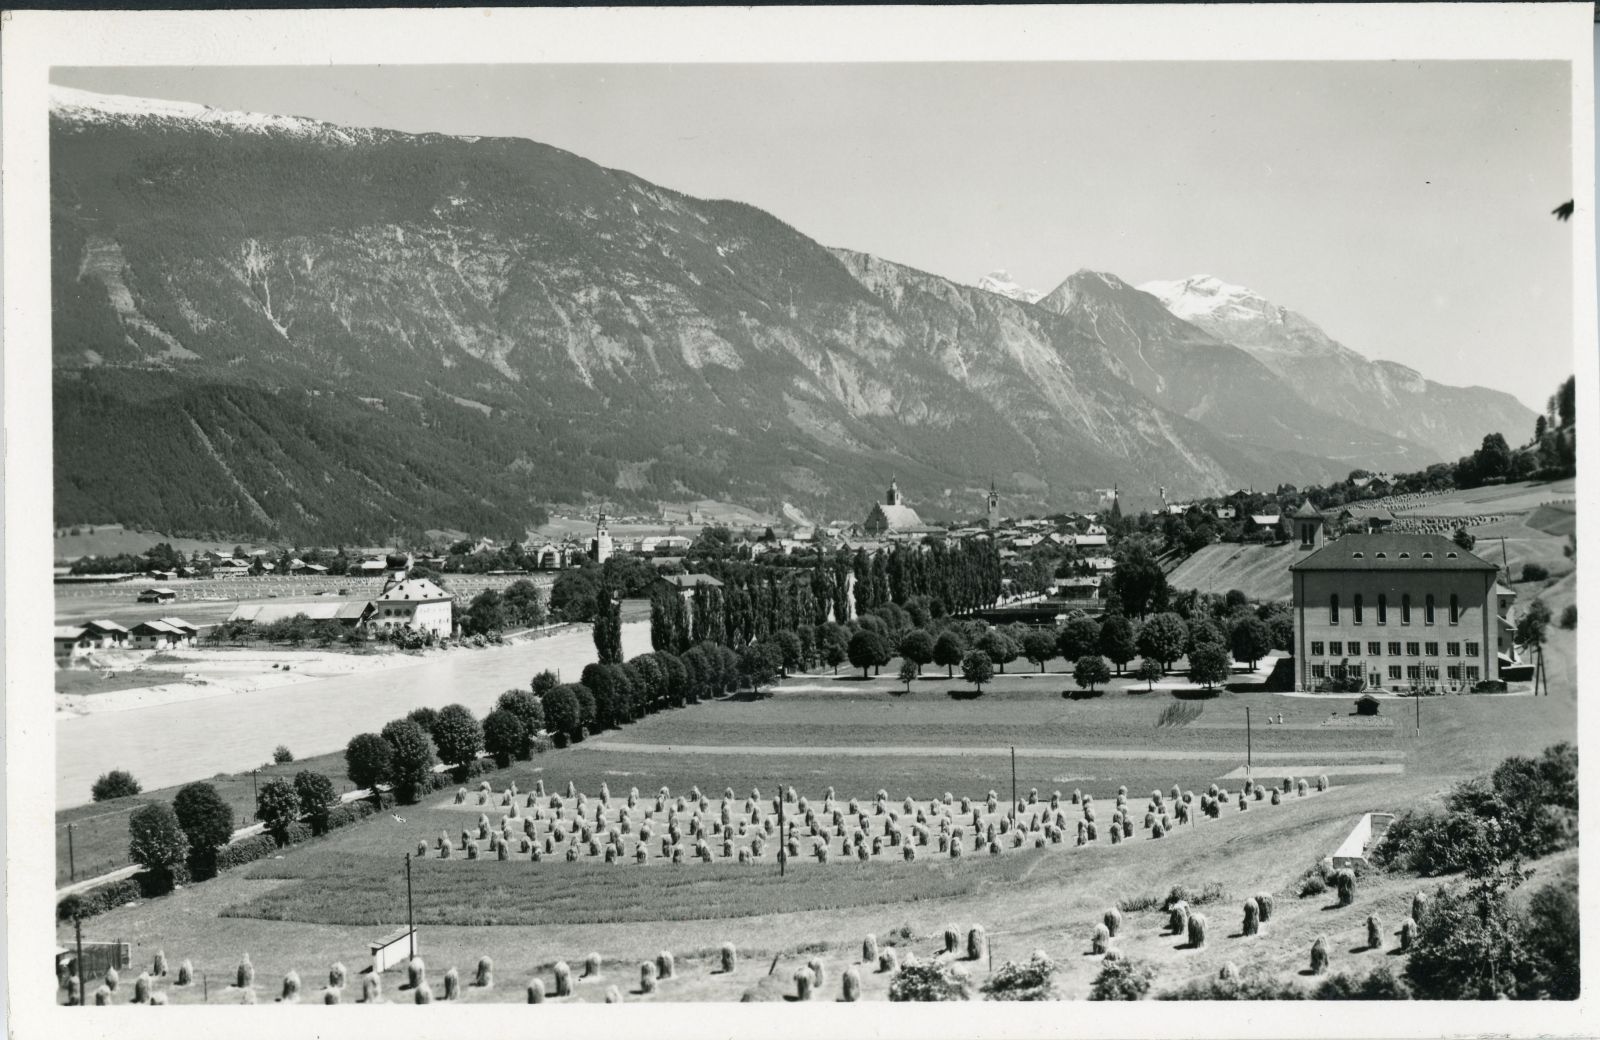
(1536, 521)
(323, 901)
(1259, 571)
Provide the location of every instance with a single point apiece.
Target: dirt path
(1102, 754)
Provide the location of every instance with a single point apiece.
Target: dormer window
(1427, 556)
(1449, 555)
(1383, 556)
(1357, 556)
(1405, 556)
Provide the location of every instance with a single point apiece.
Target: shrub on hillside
(1253, 983)
(1569, 616)
(281, 755)
(1379, 984)
(1121, 978)
(1534, 571)
(97, 900)
(1033, 979)
(118, 783)
(930, 982)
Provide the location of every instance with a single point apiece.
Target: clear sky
(1404, 207)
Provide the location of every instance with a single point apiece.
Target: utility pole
(1248, 763)
(1013, 786)
(411, 917)
(72, 863)
(77, 926)
(1417, 696)
(1503, 562)
(783, 836)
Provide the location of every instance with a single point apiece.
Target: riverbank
(166, 742)
(202, 672)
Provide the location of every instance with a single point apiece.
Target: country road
(166, 744)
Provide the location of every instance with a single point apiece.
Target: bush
(1254, 983)
(97, 900)
(1534, 571)
(929, 982)
(1569, 616)
(1121, 978)
(1379, 984)
(246, 850)
(1032, 980)
(281, 755)
(119, 783)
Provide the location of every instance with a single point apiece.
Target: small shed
(1366, 704)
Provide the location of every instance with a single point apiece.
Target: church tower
(1308, 526)
(992, 513)
(600, 546)
(893, 497)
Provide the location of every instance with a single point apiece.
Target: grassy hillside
(1259, 571)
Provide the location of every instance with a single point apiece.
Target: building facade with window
(1395, 611)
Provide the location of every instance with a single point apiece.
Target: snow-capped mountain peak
(1000, 283)
(85, 106)
(1206, 296)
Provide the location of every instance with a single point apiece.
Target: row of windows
(1411, 672)
(1338, 648)
(1359, 612)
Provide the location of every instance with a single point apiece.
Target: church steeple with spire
(992, 512)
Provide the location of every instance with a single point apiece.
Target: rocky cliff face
(1198, 375)
(1449, 421)
(267, 325)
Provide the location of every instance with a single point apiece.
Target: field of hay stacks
(320, 903)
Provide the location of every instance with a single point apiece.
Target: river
(166, 744)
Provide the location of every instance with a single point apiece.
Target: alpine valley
(274, 327)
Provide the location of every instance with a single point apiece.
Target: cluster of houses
(73, 642)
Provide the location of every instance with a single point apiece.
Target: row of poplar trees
(757, 600)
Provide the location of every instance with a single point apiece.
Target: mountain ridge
(494, 323)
